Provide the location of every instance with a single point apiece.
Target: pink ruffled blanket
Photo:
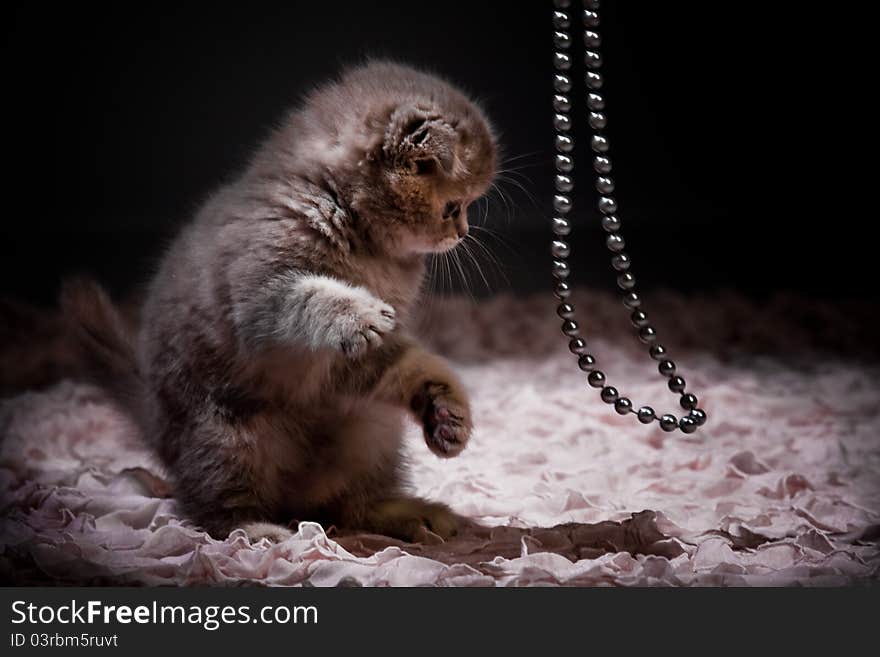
(781, 487)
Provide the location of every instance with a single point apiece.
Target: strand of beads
(607, 204)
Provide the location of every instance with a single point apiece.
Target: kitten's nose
(461, 227)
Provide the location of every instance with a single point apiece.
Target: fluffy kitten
(272, 367)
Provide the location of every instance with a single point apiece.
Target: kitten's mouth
(447, 244)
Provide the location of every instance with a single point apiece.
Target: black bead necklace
(620, 261)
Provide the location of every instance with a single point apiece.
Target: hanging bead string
(607, 204)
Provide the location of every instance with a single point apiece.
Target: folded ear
(418, 140)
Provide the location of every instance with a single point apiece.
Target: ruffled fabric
(781, 487)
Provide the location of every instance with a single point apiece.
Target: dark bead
(632, 300)
(646, 415)
(560, 249)
(562, 83)
(586, 362)
(592, 59)
(647, 334)
(594, 80)
(564, 183)
(609, 394)
(607, 205)
(657, 351)
(562, 204)
(561, 269)
(565, 310)
(698, 415)
(615, 242)
(592, 39)
(610, 223)
(602, 164)
(620, 262)
(596, 378)
(562, 122)
(561, 61)
(688, 401)
(604, 185)
(596, 102)
(564, 163)
(676, 384)
(564, 143)
(623, 406)
(668, 422)
(667, 368)
(638, 318)
(561, 103)
(561, 20)
(599, 144)
(561, 226)
(597, 120)
(592, 4)
(626, 281)
(591, 18)
(561, 40)
(562, 290)
(687, 425)
(570, 328)
(577, 346)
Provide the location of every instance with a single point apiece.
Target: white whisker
(522, 188)
(475, 262)
(461, 272)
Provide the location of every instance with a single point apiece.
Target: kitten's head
(431, 153)
(434, 163)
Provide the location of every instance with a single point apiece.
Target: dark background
(732, 125)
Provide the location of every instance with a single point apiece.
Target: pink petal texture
(781, 487)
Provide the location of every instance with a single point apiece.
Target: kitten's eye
(452, 209)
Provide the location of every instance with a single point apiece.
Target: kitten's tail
(105, 340)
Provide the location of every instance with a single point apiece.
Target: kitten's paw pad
(364, 325)
(257, 531)
(446, 422)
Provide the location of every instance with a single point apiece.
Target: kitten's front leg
(445, 413)
(317, 311)
(426, 384)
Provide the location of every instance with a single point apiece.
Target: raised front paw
(446, 419)
(361, 325)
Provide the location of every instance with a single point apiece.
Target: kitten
(272, 367)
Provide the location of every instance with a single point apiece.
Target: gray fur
(273, 359)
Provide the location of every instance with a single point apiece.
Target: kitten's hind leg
(226, 474)
(413, 519)
(368, 452)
